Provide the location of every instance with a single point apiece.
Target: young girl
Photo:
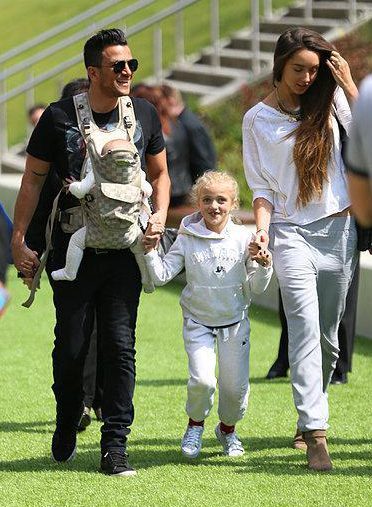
(293, 163)
(220, 277)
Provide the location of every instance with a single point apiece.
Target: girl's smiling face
(215, 204)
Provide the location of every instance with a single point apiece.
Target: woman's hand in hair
(341, 72)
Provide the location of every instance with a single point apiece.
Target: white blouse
(271, 173)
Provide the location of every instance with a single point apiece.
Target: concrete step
(191, 88)
(236, 58)
(279, 25)
(204, 74)
(242, 40)
(325, 10)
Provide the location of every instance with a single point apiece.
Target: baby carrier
(112, 207)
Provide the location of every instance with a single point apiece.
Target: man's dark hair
(98, 42)
(74, 87)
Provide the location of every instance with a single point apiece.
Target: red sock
(226, 429)
(195, 423)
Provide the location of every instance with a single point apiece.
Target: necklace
(293, 116)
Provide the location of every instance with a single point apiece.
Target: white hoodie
(220, 275)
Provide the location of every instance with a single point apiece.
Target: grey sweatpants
(314, 265)
(233, 346)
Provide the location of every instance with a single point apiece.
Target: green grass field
(270, 473)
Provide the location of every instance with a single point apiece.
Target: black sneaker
(63, 446)
(115, 462)
(85, 419)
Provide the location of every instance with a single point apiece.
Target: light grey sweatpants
(233, 346)
(314, 265)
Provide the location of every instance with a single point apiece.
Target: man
(108, 278)
(359, 155)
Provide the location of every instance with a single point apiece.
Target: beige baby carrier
(112, 207)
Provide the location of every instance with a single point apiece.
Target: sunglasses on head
(118, 67)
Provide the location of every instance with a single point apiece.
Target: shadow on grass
(151, 453)
(159, 382)
(27, 426)
(183, 381)
(263, 380)
(86, 461)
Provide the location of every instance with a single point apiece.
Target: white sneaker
(192, 441)
(230, 442)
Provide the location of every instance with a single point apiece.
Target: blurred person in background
(189, 146)
(5, 256)
(359, 155)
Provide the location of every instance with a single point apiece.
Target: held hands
(25, 260)
(258, 248)
(154, 231)
(261, 255)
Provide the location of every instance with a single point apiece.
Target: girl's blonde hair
(215, 178)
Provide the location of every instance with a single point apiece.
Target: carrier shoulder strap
(127, 117)
(84, 114)
(87, 125)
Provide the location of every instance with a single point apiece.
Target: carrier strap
(48, 243)
(87, 125)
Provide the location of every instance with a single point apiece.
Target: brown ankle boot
(317, 452)
(298, 441)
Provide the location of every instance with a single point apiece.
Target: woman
(293, 163)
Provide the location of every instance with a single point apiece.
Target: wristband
(259, 230)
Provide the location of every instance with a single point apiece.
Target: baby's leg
(137, 249)
(74, 256)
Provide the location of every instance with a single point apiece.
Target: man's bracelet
(259, 230)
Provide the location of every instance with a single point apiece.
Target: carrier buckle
(128, 122)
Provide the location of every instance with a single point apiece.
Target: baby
(77, 242)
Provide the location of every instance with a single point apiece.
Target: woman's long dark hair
(314, 141)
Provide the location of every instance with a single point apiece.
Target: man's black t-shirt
(57, 138)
